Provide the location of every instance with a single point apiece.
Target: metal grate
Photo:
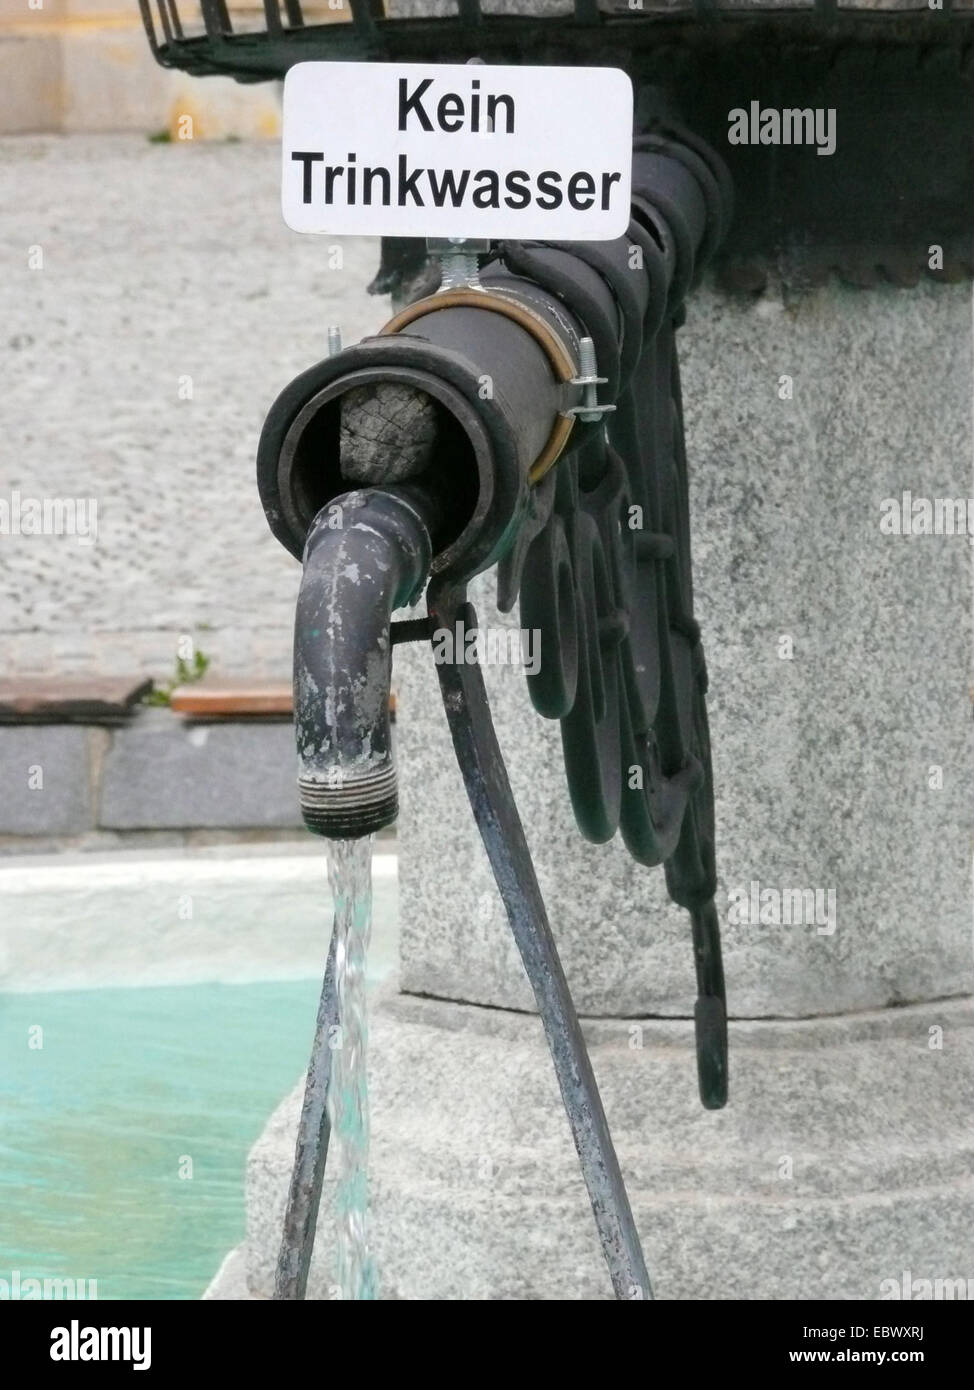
(260, 39)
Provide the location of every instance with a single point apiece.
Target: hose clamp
(501, 302)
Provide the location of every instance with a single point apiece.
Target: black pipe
(367, 553)
(498, 401)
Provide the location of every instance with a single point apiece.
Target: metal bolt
(461, 269)
(458, 260)
(334, 340)
(589, 380)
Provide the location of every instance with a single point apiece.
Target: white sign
(441, 150)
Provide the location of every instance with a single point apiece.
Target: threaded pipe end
(347, 805)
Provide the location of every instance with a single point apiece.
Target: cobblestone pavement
(134, 274)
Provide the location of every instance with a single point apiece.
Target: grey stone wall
(161, 271)
(839, 661)
(77, 782)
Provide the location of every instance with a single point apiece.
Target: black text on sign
(397, 149)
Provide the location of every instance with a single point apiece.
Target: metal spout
(368, 552)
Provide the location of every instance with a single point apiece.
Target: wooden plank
(60, 699)
(226, 698)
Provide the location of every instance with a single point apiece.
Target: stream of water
(350, 876)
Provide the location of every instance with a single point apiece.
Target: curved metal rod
(485, 778)
(310, 1151)
(710, 1010)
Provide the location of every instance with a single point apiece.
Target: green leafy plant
(186, 673)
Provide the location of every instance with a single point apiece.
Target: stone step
(70, 699)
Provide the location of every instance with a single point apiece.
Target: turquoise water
(123, 1138)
